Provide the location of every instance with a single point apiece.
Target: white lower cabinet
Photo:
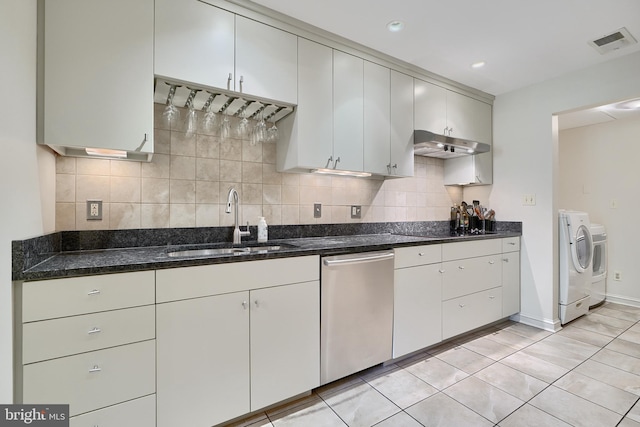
(510, 276)
(448, 289)
(203, 360)
(417, 313)
(138, 412)
(222, 356)
(88, 342)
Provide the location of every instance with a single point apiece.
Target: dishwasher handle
(348, 260)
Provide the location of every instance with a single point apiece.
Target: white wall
(526, 161)
(599, 164)
(19, 162)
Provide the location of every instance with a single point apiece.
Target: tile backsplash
(186, 185)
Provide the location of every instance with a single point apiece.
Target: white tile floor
(509, 375)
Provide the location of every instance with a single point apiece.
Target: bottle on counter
(263, 233)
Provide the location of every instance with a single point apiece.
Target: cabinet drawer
(93, 380)
(49, 299)
(417, 255)
(466, 276)
(139, 413)
(193, 282)
(469, 312)
(511, 244)
(476, 248)
(49, 339)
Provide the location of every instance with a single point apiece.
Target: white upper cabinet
(98, 76)
(377, 116)
(430, 107)
(469, 118)
(348, 106)
(401, 124)
(306, 140)
(446, 112)
(266, 61)
(194, 42)
(202, 44)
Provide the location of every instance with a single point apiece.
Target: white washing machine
(599, 265)
(576, 254)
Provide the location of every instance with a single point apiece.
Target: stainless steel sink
(211, 252)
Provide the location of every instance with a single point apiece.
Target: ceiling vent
(614, 41)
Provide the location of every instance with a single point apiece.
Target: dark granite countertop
(38, 259)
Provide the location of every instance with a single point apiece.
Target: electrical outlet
(356, 211)
(94, 210)
(317, 210)
(617, 275)
(528, 200)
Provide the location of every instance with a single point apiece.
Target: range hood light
(340, 172)
(106, 153)
(440, 144)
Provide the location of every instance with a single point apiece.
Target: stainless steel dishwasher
(356, 313)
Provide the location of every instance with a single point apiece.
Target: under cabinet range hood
(429, 144)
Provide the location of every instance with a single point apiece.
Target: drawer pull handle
(95, 368)
(256, 303)
(94, 292)
(491, 297)
(461, 305)
(492, 262)
(440, 271)
(244, 305)
(420, 253)
(94, 331)
(505, 259)
(512, 243)
(461, 267)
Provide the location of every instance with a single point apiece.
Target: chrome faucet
(233, 197)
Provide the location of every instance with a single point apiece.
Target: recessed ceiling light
(478, 64)
(395, 26)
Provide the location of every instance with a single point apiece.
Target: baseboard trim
(546, 324)
(620, 299)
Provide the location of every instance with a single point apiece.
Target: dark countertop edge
(50, 269)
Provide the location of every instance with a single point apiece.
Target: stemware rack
(223, 102)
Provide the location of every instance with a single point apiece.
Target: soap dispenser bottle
(263, 235)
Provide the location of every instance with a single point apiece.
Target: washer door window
(582, 249)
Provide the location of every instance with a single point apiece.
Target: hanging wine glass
(260, 131)
(171, 113)
(272, 133)
(242, 128)
(192, 120)
(225, 128)
(209, 119)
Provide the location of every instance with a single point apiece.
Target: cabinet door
(285, 342)
(430, 107)
(266, 61)
(203, 360)
(510, 283)
(314, 113)
(194, 42)
(401, 124)
(98, 78)
(377, 128)
(476, 169)
(348, 105)
(468, 118)
(417, 308)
